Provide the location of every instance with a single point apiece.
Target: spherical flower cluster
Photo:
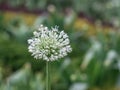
(49, 44)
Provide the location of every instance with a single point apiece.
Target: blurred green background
(94, 30)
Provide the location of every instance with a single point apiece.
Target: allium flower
(49, 44)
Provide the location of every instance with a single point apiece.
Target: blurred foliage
(106, 10)
(94, 63)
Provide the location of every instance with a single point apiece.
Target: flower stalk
(48, 85)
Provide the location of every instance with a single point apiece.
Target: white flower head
(49, 44)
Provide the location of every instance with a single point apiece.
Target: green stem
(48, 87)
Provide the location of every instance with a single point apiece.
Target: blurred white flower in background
(20, 77)
(79, 86)
(111, 56)
(65, 63)
(96, 47)
(49, 44)
(39, 20)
